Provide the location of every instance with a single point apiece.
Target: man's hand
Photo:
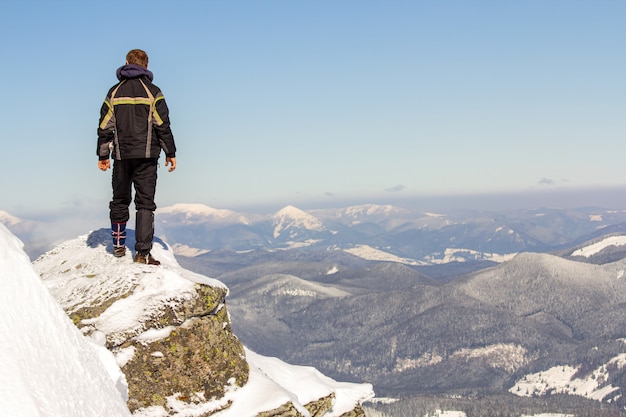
(104, 164)
(172, 162)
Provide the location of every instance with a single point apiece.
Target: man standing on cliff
(134, 128)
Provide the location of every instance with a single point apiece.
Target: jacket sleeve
(162, 126)
(106, 130)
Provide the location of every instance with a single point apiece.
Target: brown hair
(137, 57)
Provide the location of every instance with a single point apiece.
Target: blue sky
(320, 102)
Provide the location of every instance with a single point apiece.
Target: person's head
(137, 57)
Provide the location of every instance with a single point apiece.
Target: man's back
(135, 117)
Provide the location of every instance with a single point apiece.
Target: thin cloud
(395, 188)
(547, 181)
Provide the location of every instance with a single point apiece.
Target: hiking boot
(146, 259)
(119, 251)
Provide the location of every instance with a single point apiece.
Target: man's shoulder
(128, 85)
(113, 87)
(154, 89)
(152, 86)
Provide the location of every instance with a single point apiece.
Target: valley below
(497, 304)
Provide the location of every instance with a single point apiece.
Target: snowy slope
(273, 382)
(564, 380)
(48, 367)
(283, 285)
(595, 248)
(373, 254)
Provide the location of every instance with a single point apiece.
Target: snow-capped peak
(198, 212)
(191, 208)
(291, 217)
(386, 215)
(371, 209)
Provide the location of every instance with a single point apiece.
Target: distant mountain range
(373, 232)
(389, 233)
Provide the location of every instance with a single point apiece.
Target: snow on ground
(462, 255)
(50, 369)
(548, 415)
(562, 380)
(509, 357)
(296, 245)
(332, 270)
(442, 413)
(86, 258)
(290, 285)
(371, 254)
(434, 215)
(450, 255)
(590, 250)
(188, 251)
(274, 382)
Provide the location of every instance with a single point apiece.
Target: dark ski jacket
(134, 119)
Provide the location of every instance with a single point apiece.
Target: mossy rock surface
(201, 356)
(320, 407)
(357, 412)
(285, 410)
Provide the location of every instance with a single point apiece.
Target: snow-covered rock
(170, 332)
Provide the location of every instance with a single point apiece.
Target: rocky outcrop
(317, 408)
(168, 328)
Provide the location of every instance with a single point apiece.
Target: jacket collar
(133, 71)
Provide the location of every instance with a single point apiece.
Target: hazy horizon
(606, 197)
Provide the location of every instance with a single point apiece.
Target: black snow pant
(142, 174)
